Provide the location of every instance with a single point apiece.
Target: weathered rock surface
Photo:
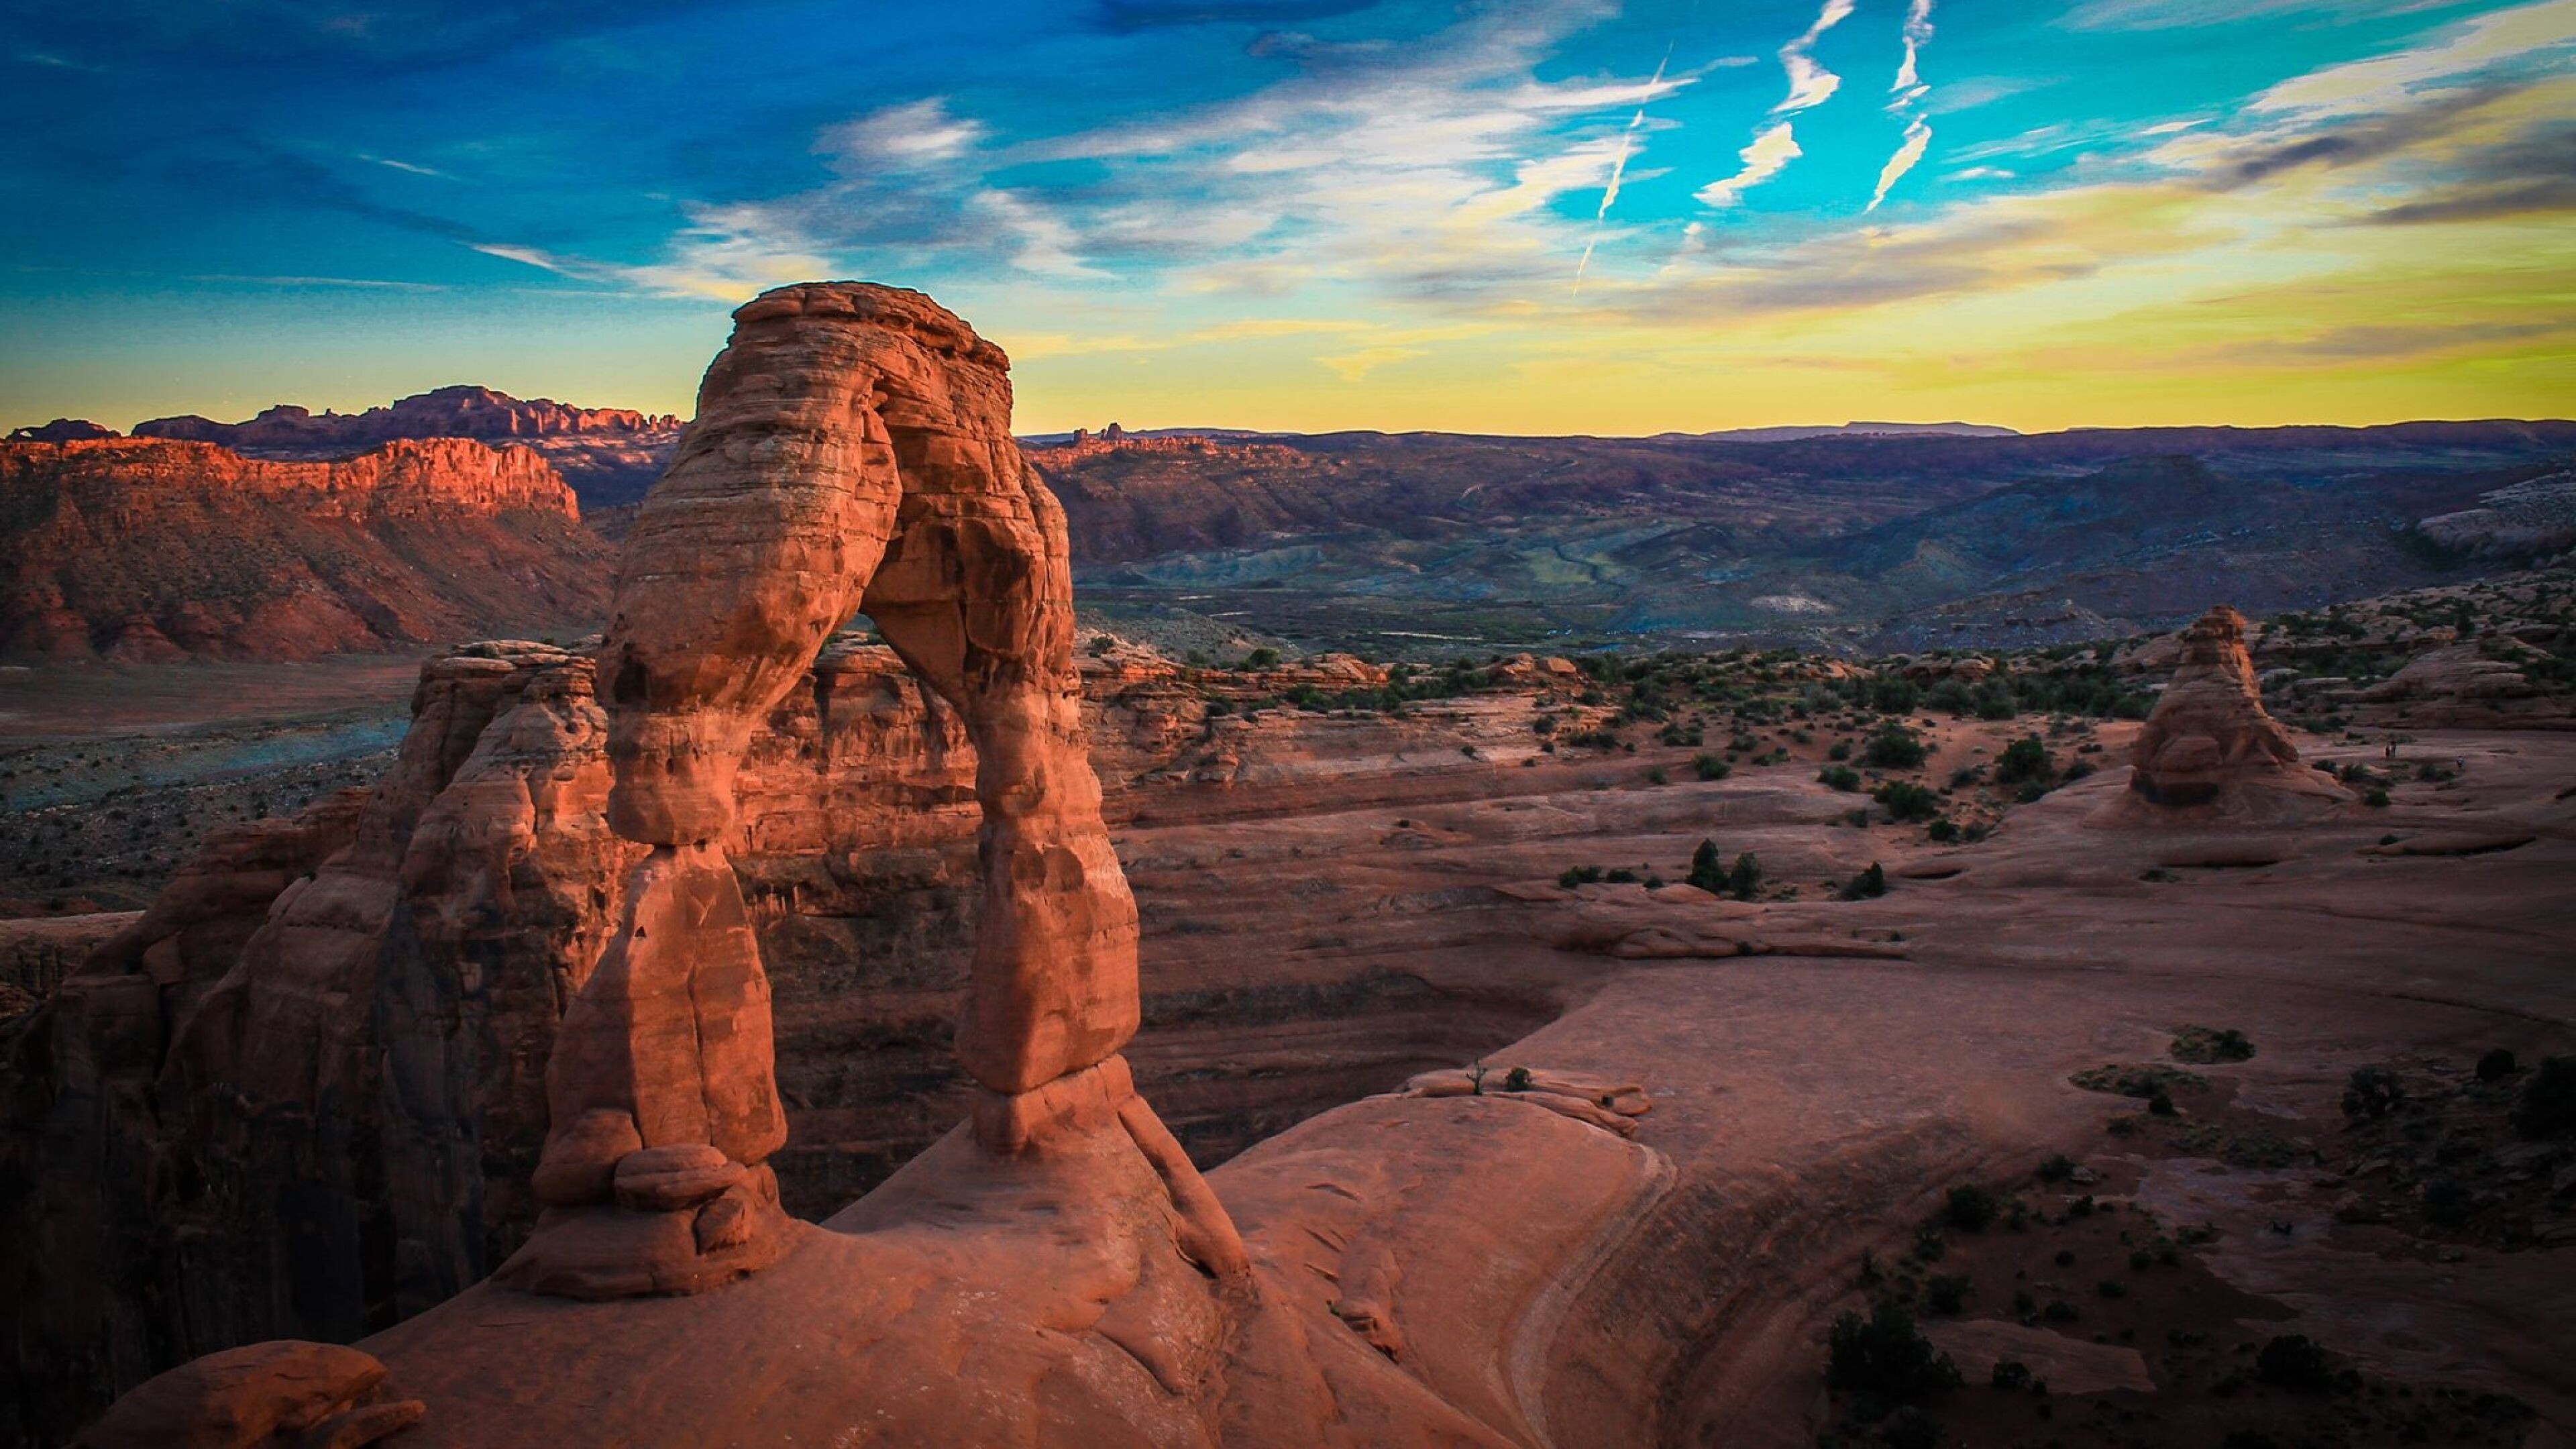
(2209, 751)
(286, 1394)
(144, 550)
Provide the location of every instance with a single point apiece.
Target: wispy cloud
(1354, 366)
(406, 167)
(1810, 84)
(1910, 91)
(908, 137)
(1918, 139)
(1771, 151)
(1917, 34)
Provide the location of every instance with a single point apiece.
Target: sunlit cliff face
(1557, 216)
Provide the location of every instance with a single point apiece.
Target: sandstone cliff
(143, 550)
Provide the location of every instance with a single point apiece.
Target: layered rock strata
(143, 551)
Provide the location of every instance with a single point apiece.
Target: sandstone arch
(852, 450)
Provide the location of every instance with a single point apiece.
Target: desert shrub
(1994, 702)
(1971, 1209)
(1894, 748)
(2012, 1375)
(1906, 800)
(1575, 875)
(2058, 1168)
(2447, 1202)
(1264, 657)
(1621, 877)
(1707, 871)
(1887, 1356)
(1710, 767)
(1840, 751)
(2496, 1065)
(1517, 1080)
(1946, 1293)
(1840, 777)
(1951, 696)
(1655, 775)
(1944, 831)
(2112, 1288)
(1746, 876)
(2293, 1361)
(1910, 1428)
(2142, 1081)
(1868, 885)
(2025, 760)
(2548, 1104)
(2211, 1044)
(2376, 798)
(1102, 644)
(2372, 1092)
(1894, 696)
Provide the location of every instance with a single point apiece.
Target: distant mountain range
(1867, 533)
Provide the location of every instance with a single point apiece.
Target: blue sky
(1564, 215)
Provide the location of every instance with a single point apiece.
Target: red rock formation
(852, 450)
(143, 550)
(286, 1394)
(2209, 750)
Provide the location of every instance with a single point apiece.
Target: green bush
(2201, 1044)
(2496, 1065)
(2292, 1361)
(1906, 800)
(1886, 1356)
(2372, 1092)
(1894, 748)
(1840, 777)
(1264, 657)
(1971, 1209)
(2548, 1104)
(2012, 1375)
(1575, 875)
(1707, 871)
(1710, 767)
(1894, 696)
(1943, 831)
(2024, 761)
(1868, 885)
(1946, 1293)
(1746, 877)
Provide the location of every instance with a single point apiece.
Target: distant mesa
(1856, 430)
(63, 430)
(462, 411)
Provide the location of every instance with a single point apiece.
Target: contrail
(1619, 166)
